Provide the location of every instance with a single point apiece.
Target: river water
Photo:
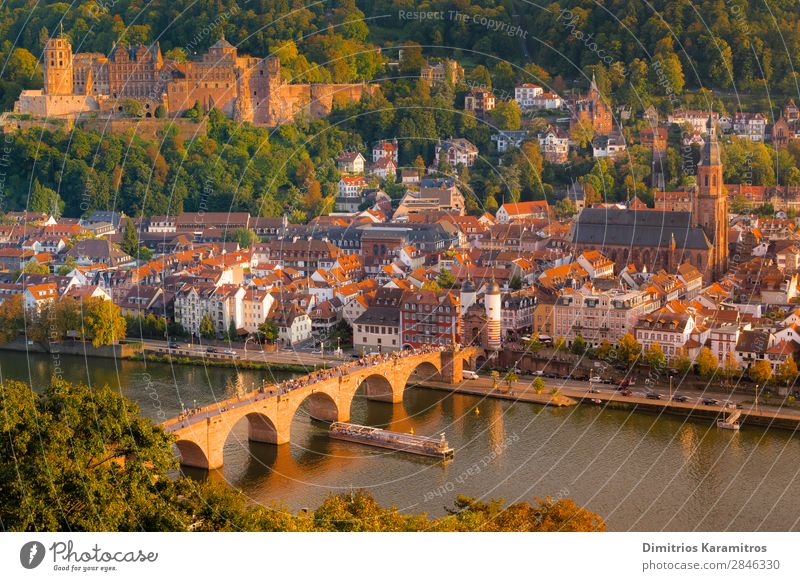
(639, 472)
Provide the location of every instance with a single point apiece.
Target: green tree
(23, 68)
(45, 200)
(579, 345)
(132, 108)
(245, 237)
(412, 60)
(69, 265)
(530, 162)
(538, 385)
(34, 267)
(206, 328)
(503, 77)
(655, 356)
(515, 283)
(566, 208)
(103, 322)
(445, 279)
(507, 116)
(511, 377)
(740, 205)
(130, 241)
(534, 345)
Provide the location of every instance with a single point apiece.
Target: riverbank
(230, 363)
(751, 415)
(517, 393)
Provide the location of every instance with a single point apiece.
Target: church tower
(710, 210)
(58, 66)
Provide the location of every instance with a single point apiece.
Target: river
(639, 472)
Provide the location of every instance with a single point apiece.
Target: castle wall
(180, 97)
(149, 129)
(34, 102)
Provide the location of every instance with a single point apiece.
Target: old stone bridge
(200, 437)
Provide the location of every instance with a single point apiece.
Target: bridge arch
(321, 406)
(427, 370)
(261, 428)
(191, 454)
(379, 388)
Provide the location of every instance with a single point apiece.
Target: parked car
(229, 352)
(173, 344)
(538, 373)
(469, 374)
(681, 398)
(626, 392)
(710, 401)
(211, 350)
(653, 395)
(595, 379)
(594, 390)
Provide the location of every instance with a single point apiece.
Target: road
(580, 389)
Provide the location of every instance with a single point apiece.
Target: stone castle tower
(710, 211)
(58, 66)
(243, 107)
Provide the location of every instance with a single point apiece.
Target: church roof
(651, 228)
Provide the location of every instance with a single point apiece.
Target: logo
(32, 554)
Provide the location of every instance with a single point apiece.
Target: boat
(730, 423)
(412, 443)
(597, 401)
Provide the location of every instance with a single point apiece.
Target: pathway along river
(639, 472)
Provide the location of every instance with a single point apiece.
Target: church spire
(711, 155)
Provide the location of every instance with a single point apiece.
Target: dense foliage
(94, 319)
(720, 44)
(233, 168)
(79, 459)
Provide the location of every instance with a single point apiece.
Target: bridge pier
(452, 367)
(394, 396)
